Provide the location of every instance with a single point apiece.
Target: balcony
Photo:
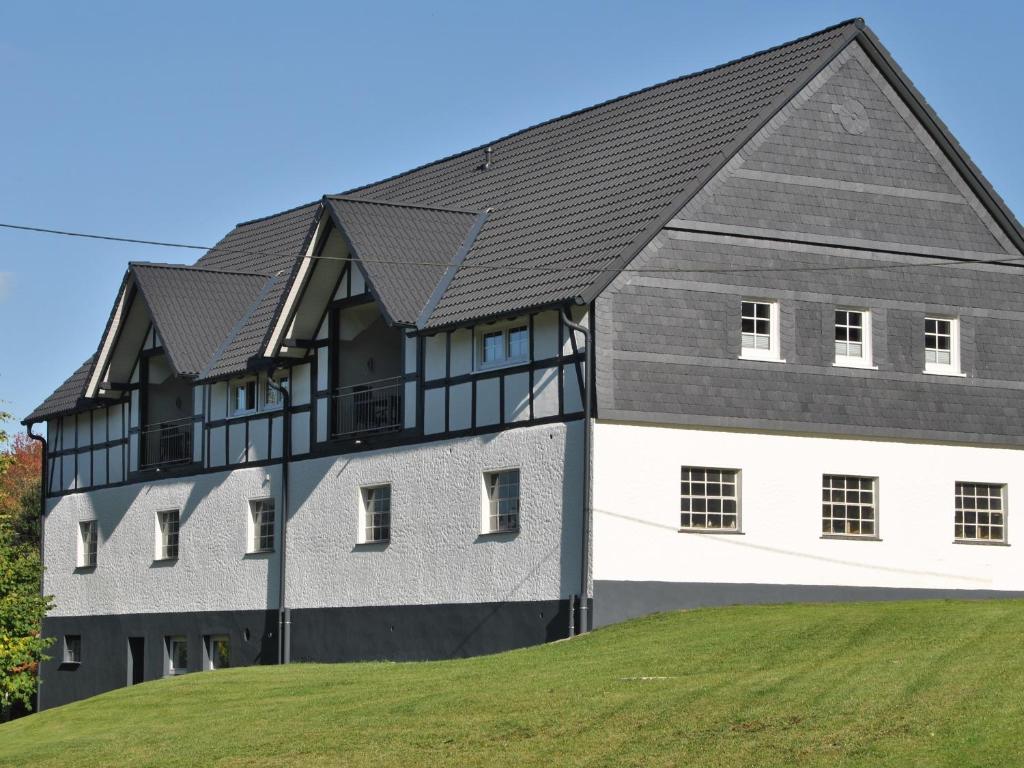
(165, 444)
(373, 407)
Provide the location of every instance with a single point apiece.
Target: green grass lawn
(884, 684)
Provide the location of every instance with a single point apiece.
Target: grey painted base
(397, 633)
(616, 601)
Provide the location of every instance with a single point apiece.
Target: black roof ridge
(270, 216)
(195, 268)
(857, 20)
(344, 197)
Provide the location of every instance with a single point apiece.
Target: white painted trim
(297, 288)
(108, 342)
(953, 367)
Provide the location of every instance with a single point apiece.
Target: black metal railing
(169, 442)
(370, 408)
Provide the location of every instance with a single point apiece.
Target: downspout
(42, 536)
(588, 356)
(284, 618)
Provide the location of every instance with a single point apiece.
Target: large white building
(745, 336)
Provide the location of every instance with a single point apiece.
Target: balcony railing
(370, 408)
(169, 442)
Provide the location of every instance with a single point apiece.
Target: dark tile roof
(65, 399)
(195, 309)
(405, 251)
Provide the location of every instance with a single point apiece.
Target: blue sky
(174, 122)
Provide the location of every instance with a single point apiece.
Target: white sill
(761, 359)
(939, 372)
(480, 367)
(854, 363)
(240, 414)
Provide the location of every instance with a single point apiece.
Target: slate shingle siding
(668, 345)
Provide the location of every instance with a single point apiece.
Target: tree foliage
(22, 606)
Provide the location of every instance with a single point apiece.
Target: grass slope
(885, 684)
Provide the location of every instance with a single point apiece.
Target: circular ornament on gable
(852, 116)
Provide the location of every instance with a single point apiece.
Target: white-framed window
(980, 512)
(709, 499)
(501, 501)
(759, 329)
(243, 396)
(375, 508)
(167, 534)
(849, 506)
(942, 345)
(261, 525)
(177, 654)
(501, 344)
(853, 338)
(72, 649)
(272, 398)
(87, 543)
(218, 651)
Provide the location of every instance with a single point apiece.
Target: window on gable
(261, 525)
(709, 499)
(376, 514)
(853, 337)
(72, 649)
(848, 506)
(502, 501)
(502, 344)
(759, 330)
(167, 533)
(980, 512)
(942, 345)
(87, 543)
(243, 396)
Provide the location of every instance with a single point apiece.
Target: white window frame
(774, 351)
(69, 655)
(87, 558)
(866, 359)
(253, 532)
(272, 400)
(491, 514)
(481, 332)
(233, 385)
(958, 491)
(952, 368)
(159, 551)
(209, 643)
(366, 514)
(687, 499)
(845, 501)
(170, 641)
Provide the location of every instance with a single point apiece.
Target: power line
(939, 262)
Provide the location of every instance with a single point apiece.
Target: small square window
(853, 338)
(848, 506)
(177, 655)
(502, 501)
(759, 330)
(218, 651)
(942, 345)
(87, 544)
(72, 649)
(261, 525)
(980, 512)
(709, 499)
(376, 509)
(167, 535)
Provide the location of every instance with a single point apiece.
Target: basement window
(980, 513)
(848, 506)
(709, 500)
(261, 525)
(87, 543)
(177, 655)
(72, 649)
(376, 514)
(218, 651)
(501, 507)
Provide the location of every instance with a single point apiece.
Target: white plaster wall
(437, 553)
(636, 511)
(213, 571)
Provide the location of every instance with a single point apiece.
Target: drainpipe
(42, 535)
(284, 614)
(588, 356)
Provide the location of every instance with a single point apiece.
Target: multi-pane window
(87, 536)
(852, 336)
(980, 512)
(708, 499)
(502, 510)
(272, 396)
(940, 344)
(243, 396)
(72, 649)
(501, 345)
(218, 652)
(167, 548)
(848, 506)
(759, 331)
(177, 655)
(377, 514)
(262, 525)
